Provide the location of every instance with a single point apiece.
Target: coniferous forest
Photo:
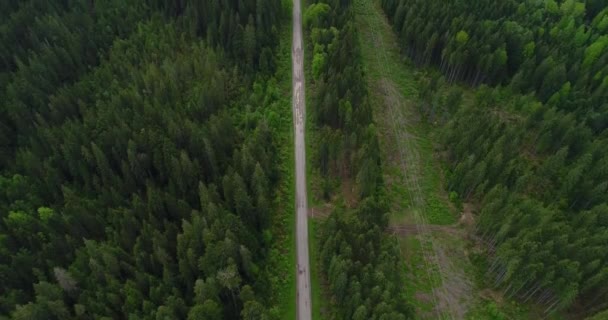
(530, 147)
(361, 263)
(138, 174)
(145, 154)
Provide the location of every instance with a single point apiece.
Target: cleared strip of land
(420, 209)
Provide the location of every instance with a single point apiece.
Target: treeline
(139, 176)
(557, 49)
(45, 44)
(361, 263)
(341, 109)
(534, 163)
(246, 30)
(540, 177)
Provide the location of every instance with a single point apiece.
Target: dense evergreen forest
(531, 150)
(360, 262)
(138, 161)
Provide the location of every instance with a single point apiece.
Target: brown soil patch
(349, 192)
(456, 291)
(320, 212)
(393, 97)
(466, 217)
(493, 295)
(423, 297)
(412, 229)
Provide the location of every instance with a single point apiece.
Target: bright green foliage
(510, 42)
(551, 6)
(462, 37)
(599, 316)
(45, 214)
(593, 52)
(317, 14)
(318, 64)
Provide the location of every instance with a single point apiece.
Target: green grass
(282, 260)
(398, 69)
(418, 280)
(315, 276)
(378, 40)
(438, 209)
(509, 310)
(600, 316)
(313, 181)
(313, 177)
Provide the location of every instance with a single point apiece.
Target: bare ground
(321, 211)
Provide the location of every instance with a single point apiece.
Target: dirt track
(303, 302)
(412, 229)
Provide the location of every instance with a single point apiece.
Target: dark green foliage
(243, 29)
(361, 263)
(556, 49)
(541, 179)
(46, 44)
(341, 110)
(537, 169)
(134, 182)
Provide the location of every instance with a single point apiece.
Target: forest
(141, 149)
(361, 263)
(529, 146)
(139, 159)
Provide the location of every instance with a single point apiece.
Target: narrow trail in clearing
(394, 90)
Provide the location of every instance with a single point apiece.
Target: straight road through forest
(303, 302)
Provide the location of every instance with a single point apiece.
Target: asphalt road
(303, 302)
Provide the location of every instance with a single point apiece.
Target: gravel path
(304, 309)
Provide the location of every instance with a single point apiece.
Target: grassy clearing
(376, 36)
(420, 283)
(416, 195)
(385, 68)
(318, 305)
(439, 210)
